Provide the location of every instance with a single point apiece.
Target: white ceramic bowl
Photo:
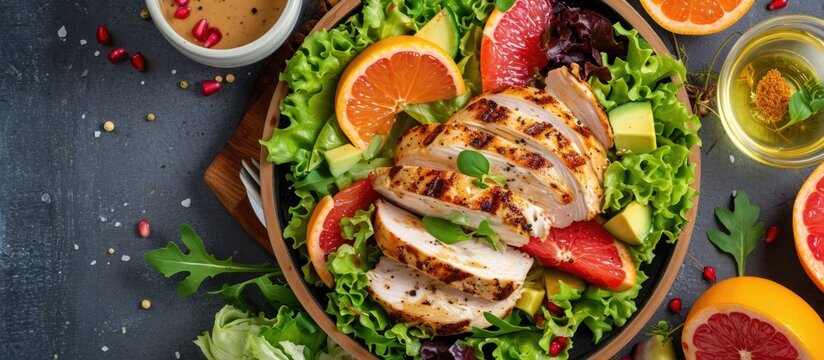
(228, 58)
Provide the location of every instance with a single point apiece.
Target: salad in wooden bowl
(468, 178)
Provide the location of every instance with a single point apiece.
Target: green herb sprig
(200, 265)
(805, 103)
(452, 233)
(744, 229)
(475, 164)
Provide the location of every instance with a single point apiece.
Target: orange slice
(808, 226)
(696, 17)
(385, 77)
(751, 318)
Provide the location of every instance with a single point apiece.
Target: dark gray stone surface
(66, 196)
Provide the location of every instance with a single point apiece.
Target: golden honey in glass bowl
(794, 46)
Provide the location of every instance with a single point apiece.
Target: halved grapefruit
(388, 75)
(587, 250)
(511, 46)
(323, 231)
(808, 226)
(752, 318)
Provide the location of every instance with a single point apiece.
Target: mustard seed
(219, 78)
(108, 126)
(110, 251)
(184, 84)
(144, 14)
(150, 117)
(230, 78)
(145, 304)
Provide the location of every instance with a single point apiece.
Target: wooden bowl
(667, 261)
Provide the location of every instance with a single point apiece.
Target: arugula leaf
(744, 229)
(805, 102)
(277, 294)
(445, 230)
(508, 325)
(200, 265)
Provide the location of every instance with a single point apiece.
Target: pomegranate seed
(772, 234)
(209, 87)
(539, 320)
(182, 12)
(554, 309)
(214, 36)
(709, 273)
(200, 31)
(182, 2)
(103, 36)
(117, 54)
(563, 341)
(675, 305)
(138, 61)
(555, 348)
(143, 228)
(777, 4)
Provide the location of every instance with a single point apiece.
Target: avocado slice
(552, 279)
(632, 224)
(531, 300)
(342, 158)
(633, 128)
(442, 30)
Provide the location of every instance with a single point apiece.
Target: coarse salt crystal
(97, 53)
(76, 247)
(125, 258)
(125, 204)
(732, 159)
(85, 73)
(117, 224)
(142, 82)
(82, 41)
(123, 329)
(102, 218)
(734, 193)
(105, 348)
(93, 262)
(174, 71)
(186, 202)
(177, 354)
(61, 32)
(83, 116)
(97, 134)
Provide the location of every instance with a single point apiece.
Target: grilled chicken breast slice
(438, 193)
(528, 173)
(565, 85)
(416, 299)
(469, 266)
(545, 138)
(552, 118)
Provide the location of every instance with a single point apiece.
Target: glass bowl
(787, 42)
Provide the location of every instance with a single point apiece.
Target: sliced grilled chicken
(565, 85)
(533, 130)
(541, 116)
(439, 193)
(416, 299)
(470, 266)
(528, 173)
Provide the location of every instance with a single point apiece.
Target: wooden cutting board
(222, 175)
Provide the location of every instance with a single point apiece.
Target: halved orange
(696, 17)
(388, 75)
(808, 226)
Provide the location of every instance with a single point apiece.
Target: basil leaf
(487, 235)
(504, 5)
(805, 103)
(744, 229)
(473, 163)
(444, 230)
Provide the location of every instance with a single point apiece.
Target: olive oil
(799, 57)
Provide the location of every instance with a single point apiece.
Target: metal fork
(250, 178)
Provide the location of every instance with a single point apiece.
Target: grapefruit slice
(751, 318)
(511, 46)
(696, 17)
(587, 250)
(323, 231)
(385, 77)
(808, 226)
